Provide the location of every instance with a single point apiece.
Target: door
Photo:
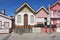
(25, 20)
(26, 28)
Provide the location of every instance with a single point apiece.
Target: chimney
(3, 11)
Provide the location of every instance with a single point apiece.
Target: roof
(42, 7)
(23, 6)
(8, 17)
(58, 2)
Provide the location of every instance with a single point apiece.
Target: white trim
(43, 8)
(26, 5)
(6, 16)
(55, 3)
(40, 20)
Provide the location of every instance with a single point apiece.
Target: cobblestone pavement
(31, 36)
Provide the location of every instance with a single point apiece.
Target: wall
(41, 14)
(22, 12)
(56, 7)
(5, 20)
(4, 30)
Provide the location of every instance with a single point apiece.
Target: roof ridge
(43, 8)
(25, 3)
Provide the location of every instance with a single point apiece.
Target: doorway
(26, 27)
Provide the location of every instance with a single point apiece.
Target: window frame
(32, 19)
(38, 19)
(5, 26)
(19, 21)
(54, 11)
(59, 11)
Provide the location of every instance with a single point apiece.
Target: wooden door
(26, 29)
(25, 20)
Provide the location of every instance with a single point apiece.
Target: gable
(56, 7)
(42, 14)
(26, 9)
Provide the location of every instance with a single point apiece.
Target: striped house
(55, 16)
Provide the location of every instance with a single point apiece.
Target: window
(59, 11)
(19, 19)
(32, 19)
(41, 20)
(0, 24)
(6, 24)
(55, 11)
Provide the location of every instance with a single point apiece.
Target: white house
(24, 17)
(5, 23)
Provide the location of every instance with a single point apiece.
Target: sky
(11, 5)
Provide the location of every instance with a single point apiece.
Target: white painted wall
(4, 30)
(40, 20)
(22, 18)
(5, 20)
(51, 13)
(48, 20)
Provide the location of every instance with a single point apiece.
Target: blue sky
(11, 5)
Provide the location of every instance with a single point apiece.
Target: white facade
(40, 20)
(3, 19)
(22, 18)
(4, 29)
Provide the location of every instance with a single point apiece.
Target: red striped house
(55, 15)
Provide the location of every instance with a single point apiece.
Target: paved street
(4, 36)
(30, 36)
